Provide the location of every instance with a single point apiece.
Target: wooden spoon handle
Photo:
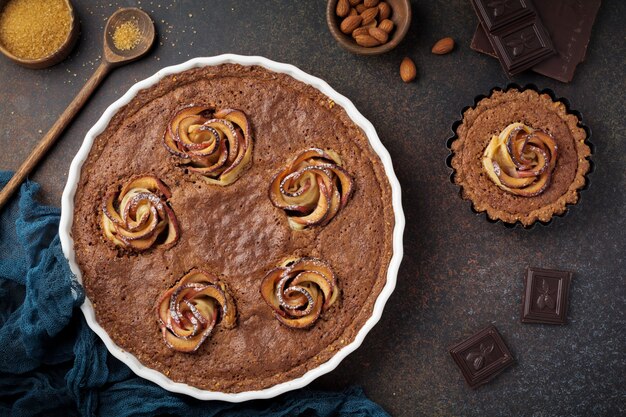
(55, 131)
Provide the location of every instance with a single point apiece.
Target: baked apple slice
(516, 140)
(536, 188)
(540, 162)
(216, 145)
(299, 291)
(540, 137)
(137, 217)
(312, 188)
(319, 213)
(520, 160)
(509, 181)
(188, 312)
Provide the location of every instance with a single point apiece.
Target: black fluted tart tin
(553, 96)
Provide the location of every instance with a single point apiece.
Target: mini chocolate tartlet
(520, 156)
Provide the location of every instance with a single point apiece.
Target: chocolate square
(482, 356)
(546, 294)
(522, 47)
(497, 14)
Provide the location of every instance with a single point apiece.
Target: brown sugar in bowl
(55, 56)
(400, 16)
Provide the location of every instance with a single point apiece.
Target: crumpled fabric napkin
(52, 364)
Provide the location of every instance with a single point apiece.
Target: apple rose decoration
(312, 188)
(188, 312)
(215, 145)
(521, 159)
(299, 291)
(137, 217)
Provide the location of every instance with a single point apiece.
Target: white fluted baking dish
(68, 244)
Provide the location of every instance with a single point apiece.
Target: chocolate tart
(234, 233)
(488, 117)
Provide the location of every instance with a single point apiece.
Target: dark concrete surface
(459, 272)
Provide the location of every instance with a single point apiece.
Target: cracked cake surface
(234, 231)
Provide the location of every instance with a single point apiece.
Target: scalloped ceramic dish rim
(581, 124)
(67, 243)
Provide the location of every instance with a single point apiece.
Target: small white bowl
(67, 215)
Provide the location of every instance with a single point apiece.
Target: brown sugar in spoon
(112, 58)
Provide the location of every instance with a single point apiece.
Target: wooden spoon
(112, 58)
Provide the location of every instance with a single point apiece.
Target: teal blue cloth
(52, 364)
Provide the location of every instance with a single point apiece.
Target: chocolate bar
(515, 33)
(482, 356)
(546, 294)
(569, 23)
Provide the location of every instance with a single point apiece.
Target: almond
(343, 8)
(386, 25)
(370, 3)
(384, 10)
(380, 35)
(354, 2)
(360, 31)
(443, 46)
(369, 15)
(367, 41)
(371, 24)
(353, 12)
(360, 8)
(350, 23)
(408, 72)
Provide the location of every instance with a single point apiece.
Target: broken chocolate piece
(569, 24)
(480, 42)
(515, 32)
(482, 356)
(546, 294)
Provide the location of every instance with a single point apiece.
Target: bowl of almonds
(368, 27)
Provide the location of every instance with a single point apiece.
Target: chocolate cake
(520, 156)
(225, 236)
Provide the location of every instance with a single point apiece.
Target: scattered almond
(360, 8)
(408, 72)
(384, 10)
(353, 12)
(443, 46)
(367, 41)
(369, 15)
(354, 2)
(350, 23)
(343, 8)
(380, 35)
(370, 3)
(386, 25)
(360, 31)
